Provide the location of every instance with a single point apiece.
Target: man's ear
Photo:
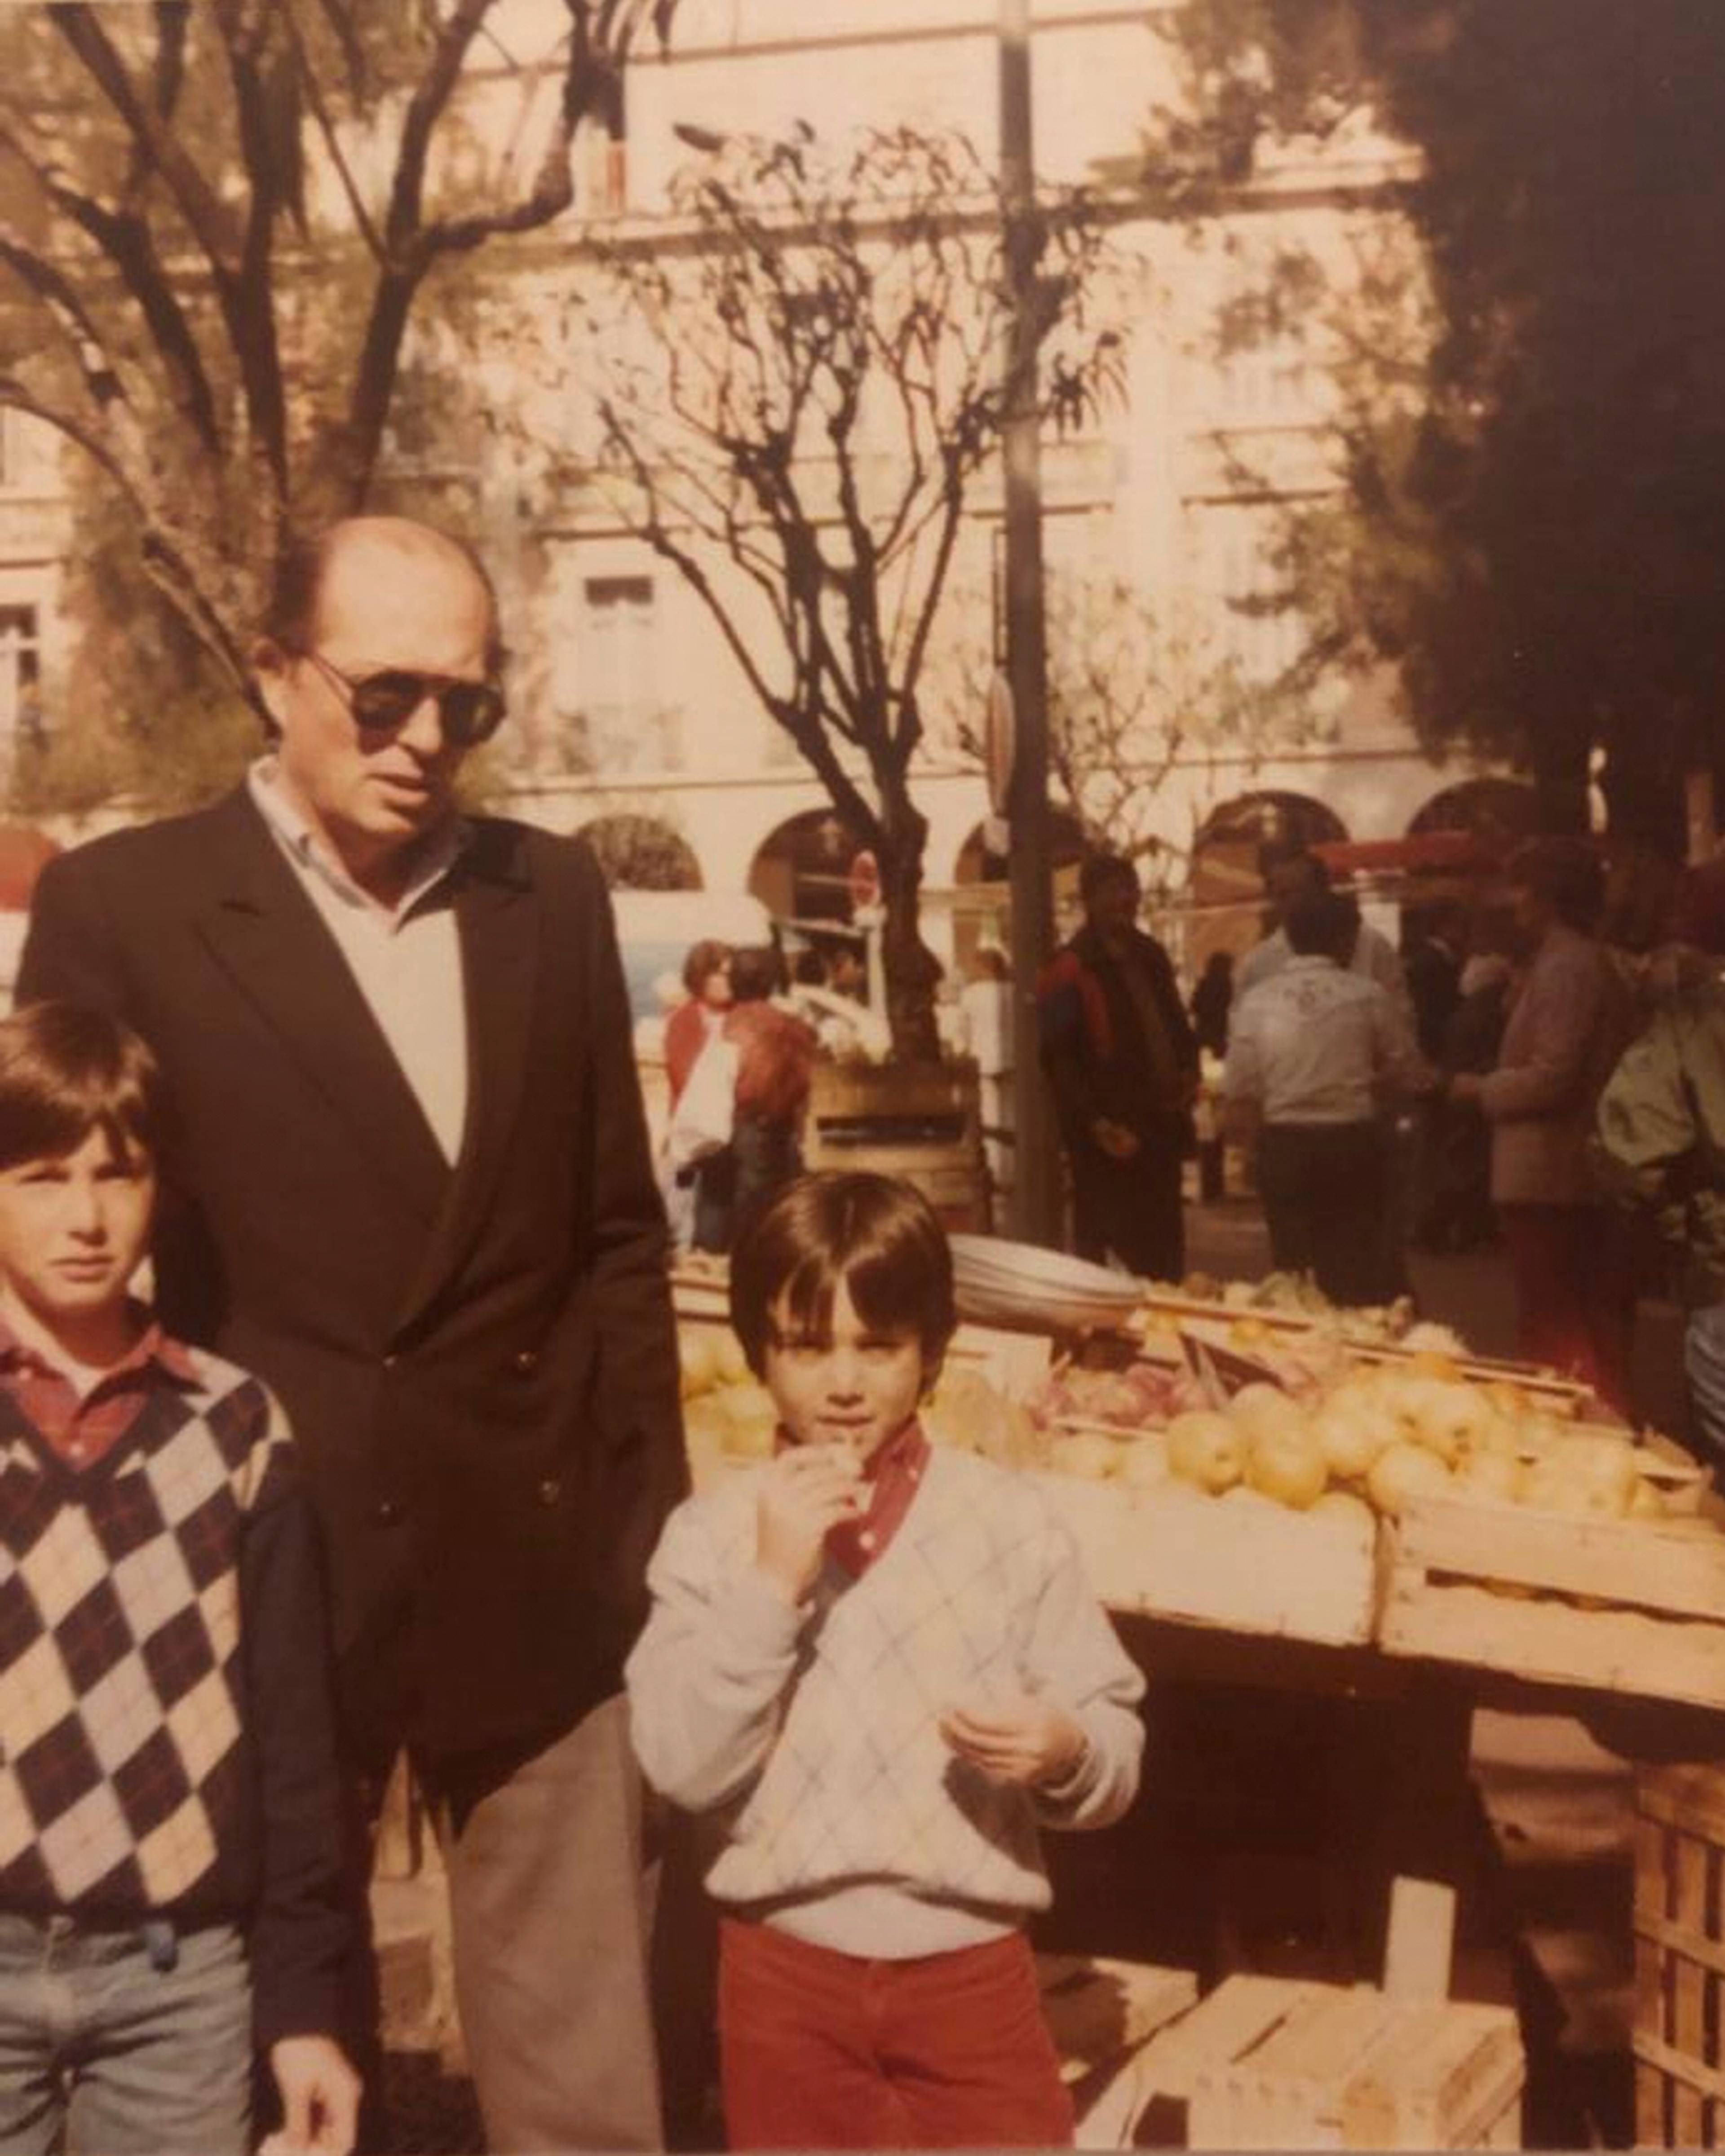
(269, 665)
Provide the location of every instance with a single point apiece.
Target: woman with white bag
(701, 1072)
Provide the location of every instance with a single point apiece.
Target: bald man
(419, 1201)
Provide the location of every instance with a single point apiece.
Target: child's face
(73, 1228)
(852, 1385)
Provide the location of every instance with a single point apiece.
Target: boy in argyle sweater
(166, 1777)
(877, 1667)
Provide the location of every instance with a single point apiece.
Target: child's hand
(805, 1492)
(1024, 1741)
(320, 2097)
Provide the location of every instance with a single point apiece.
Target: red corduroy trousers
(822, 2049)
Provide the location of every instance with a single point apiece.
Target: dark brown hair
(754, 973)
(66, 1070)
(707, 957)
(1566, 873)
(877, 1235)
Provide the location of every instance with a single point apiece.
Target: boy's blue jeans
(135, 2056)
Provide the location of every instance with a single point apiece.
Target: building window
(21, 715)
(622, 725)
(1243, 582)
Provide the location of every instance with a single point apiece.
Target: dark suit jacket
(479, 1365)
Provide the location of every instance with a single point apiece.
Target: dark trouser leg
(1131, 1208)
(1323, 1187)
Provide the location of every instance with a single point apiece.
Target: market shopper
(1662, 1136)
(1122, 1058)
(170, 1836)
(700, 1192)
(1568, 1024)
(1290, 872)
(1311, 1053)
(775, 1068)
(420, 1203)
(878, 1669)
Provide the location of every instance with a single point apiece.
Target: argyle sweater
(166, 1739)
(812, 1735)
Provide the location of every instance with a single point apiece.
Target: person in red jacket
(775, 1064)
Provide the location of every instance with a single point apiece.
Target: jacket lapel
(263, 932)
(498, 926)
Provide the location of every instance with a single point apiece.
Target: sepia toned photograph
(862, 1075)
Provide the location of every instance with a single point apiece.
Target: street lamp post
(1035, 1196)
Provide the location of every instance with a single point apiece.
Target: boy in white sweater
(880, 1669)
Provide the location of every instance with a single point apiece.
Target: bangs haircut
(65, 1071)
(876, 1235)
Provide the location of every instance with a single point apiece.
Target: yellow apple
(1086, 1453)
(1402, 1470)
(1351, 1432)
(1285, 1463)
(1497, 1475)
(1206, 1449)
(697, 1358)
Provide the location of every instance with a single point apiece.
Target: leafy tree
(1534, 523)
(220, 222)
(794, 407)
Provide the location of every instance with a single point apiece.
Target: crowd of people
(1513, 1077)
(394, 1462)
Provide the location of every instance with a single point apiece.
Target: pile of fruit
(1378, 1437)
(728, 1414)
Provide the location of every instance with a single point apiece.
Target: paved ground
(1556, 1804)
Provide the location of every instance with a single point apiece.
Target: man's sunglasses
(468, 711)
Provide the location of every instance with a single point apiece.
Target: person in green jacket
(1661, 1138)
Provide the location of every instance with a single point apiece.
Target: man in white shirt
(1310, 1051)
(1291, 876)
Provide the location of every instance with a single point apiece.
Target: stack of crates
(1680, 1958)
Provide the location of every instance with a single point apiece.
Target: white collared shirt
(1307, 1043)
(406, 958)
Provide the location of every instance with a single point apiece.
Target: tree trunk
(911, 968)
(1559, 771)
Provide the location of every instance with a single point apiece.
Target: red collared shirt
(82, 1431)
(893, 1476)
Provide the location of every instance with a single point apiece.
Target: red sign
(863, 880)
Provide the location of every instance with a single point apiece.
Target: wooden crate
(1680, 1958)
(1100, 2014)
(1097, 2010)
(1269, 2062)
(1635, 1606)
(919, 1122)
(1169, 1552)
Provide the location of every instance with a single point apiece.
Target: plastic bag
(701, 1123)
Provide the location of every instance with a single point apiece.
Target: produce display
(1250, 1466)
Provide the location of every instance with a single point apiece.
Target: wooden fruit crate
(1635, 1606)
(1680, 1958)
(921, 1121)
(1100, 2013)
(1269, 2062)
(1245, 1567)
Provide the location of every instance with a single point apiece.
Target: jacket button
(550, 1490)
(390, 1362)
(526, 1362)
(388, 1512)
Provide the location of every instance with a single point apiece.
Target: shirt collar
(154, 1348)
(440, 850)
